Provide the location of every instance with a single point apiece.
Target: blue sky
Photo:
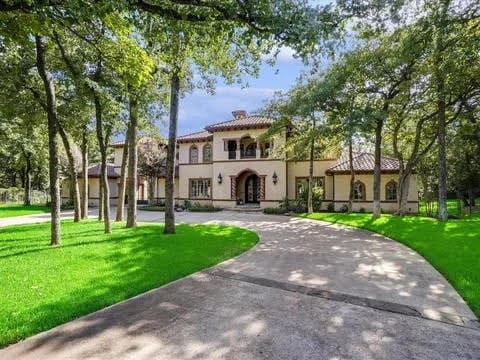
(199, 108)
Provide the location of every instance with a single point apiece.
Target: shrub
(362, 210)
(275, 211)
(317, 198)
(331, 207)
(187, 204)
(344, 208)
(152, 208)
(197, 207)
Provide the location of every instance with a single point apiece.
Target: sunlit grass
(453, 248)
(41, 286)
(11, 210)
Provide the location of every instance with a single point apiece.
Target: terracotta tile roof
(241, 122)
(196, 136)
(363, 163)
(94, 171)
(118, 143)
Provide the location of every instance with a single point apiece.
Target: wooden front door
(251, 189)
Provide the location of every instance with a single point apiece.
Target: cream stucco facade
(229, 165)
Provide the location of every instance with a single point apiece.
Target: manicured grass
(11, 210)
(453, 248)
(452, 208)
(41, 286)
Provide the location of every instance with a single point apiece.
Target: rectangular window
(200, 188)
(301, 184)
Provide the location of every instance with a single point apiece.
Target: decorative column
(257, 151)
(233, 187)
(261, 195)
(237, 153)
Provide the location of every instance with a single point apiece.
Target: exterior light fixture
(275, 178)
(220, 178)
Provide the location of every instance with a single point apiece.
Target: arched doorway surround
(247, 187)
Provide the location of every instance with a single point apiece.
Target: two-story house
(226, 165)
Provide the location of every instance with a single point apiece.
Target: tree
(151, 165)
(51, 109)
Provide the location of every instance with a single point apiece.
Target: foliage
(275, 211)
(98, 269)
(317, 198)
(452, 248)
(197, 207)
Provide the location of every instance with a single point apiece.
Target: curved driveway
(308, 290)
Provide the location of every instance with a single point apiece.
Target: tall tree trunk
(377, 171)
(352, 174)
(103, 143)
(170, 165)
(123, 180)
(55, 200)
(403, 188)
(441, 107)
(100, 200)
(310, 171)
(72, 169)
(132, 163)
(151, 189)
(84, 205)
(28, 179)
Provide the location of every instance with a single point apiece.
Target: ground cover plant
(42, 286)
(452, 247)
(11, 210)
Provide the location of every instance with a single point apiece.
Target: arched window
(359, 191)
(391, 191)
(207, 153)
(193, 154)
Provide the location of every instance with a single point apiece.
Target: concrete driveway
(308, 290)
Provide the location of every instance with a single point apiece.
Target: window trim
(203, 153)
(190, 154)
(364, 193)
(190, 182)
(299, 178)
(394, 183)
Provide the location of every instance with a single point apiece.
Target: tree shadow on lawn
(127, 263)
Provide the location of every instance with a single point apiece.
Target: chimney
(239, 114)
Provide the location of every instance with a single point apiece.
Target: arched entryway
(248, 187)
(251, 189)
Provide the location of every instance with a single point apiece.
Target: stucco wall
(260, 167)
(342, 189)
(301, 169)
(184, 151)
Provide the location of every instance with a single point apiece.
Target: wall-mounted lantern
(220, 178)
(275, 178)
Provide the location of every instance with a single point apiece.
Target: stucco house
(226, 165)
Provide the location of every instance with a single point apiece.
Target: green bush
(152, 208)
(344, 208)
(331, 207)
(317, 198)
(362, 210)
(197, 207)
(275, 211)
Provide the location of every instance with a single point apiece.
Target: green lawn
(41, 286)
(11, 210)
(453, 248)
(452, 207)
